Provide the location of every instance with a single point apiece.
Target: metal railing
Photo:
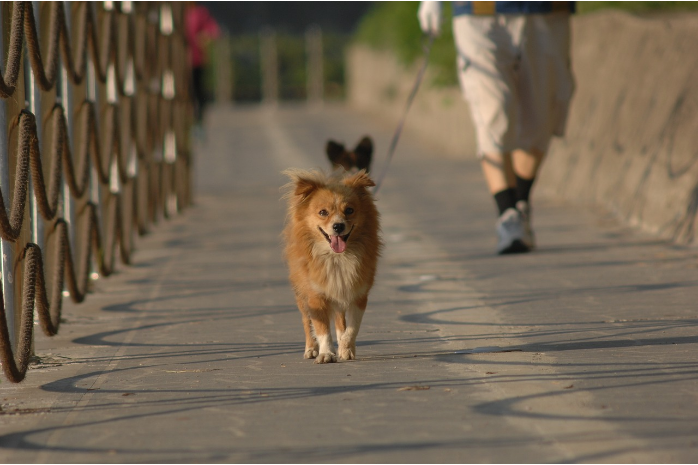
(94, 147)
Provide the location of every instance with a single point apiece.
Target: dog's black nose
(338, 227)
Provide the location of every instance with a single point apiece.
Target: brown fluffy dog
(332, 248)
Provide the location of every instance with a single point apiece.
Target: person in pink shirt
(200, 29)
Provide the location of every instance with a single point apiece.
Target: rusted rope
(127, 130)
(59, 38)
(34, 286)
(35, 292)
(8, 81)
(103, 48)
(29, 159)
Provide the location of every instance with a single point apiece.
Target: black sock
(523, 188)
(505, 199)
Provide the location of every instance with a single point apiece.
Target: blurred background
(305, 44)
(235, 68)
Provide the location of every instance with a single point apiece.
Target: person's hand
(429, 16)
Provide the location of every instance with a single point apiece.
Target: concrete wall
(632, 138)
(378, 84)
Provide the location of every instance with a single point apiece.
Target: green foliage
(443, 53)
(394, 26)
(334, 49)
(244, 51)
(292, 66)
(292, 70)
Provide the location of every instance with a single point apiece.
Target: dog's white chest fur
(342, 278)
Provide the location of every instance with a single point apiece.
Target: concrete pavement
(583, 351)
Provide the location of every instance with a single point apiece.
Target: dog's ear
(364, 152)
(359, 179)
(303, 183)
(334, 151)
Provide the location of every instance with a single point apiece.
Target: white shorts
(514, 71)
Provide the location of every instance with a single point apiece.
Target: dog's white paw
(347, 353)
(310, 352)
(327, 357)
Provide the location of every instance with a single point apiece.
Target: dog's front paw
(327, 357)
(310, 352)
(347, 353)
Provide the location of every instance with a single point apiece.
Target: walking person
(513, 61)
(200, 29)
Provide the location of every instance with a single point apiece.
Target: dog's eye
(348, 211)
(323, 213)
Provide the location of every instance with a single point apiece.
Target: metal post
(169, 143)
(112, 99)
(129, 91)
(91, 91)
(313, 45)
(270, 68)
(66, 94)
(6, 248)
(224, 71)
(34, 105)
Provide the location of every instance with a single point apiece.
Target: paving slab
(583, 351)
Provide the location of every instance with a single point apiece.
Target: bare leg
(498, 171)
(527, 163)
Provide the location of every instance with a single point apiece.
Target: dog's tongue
(337, 244)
